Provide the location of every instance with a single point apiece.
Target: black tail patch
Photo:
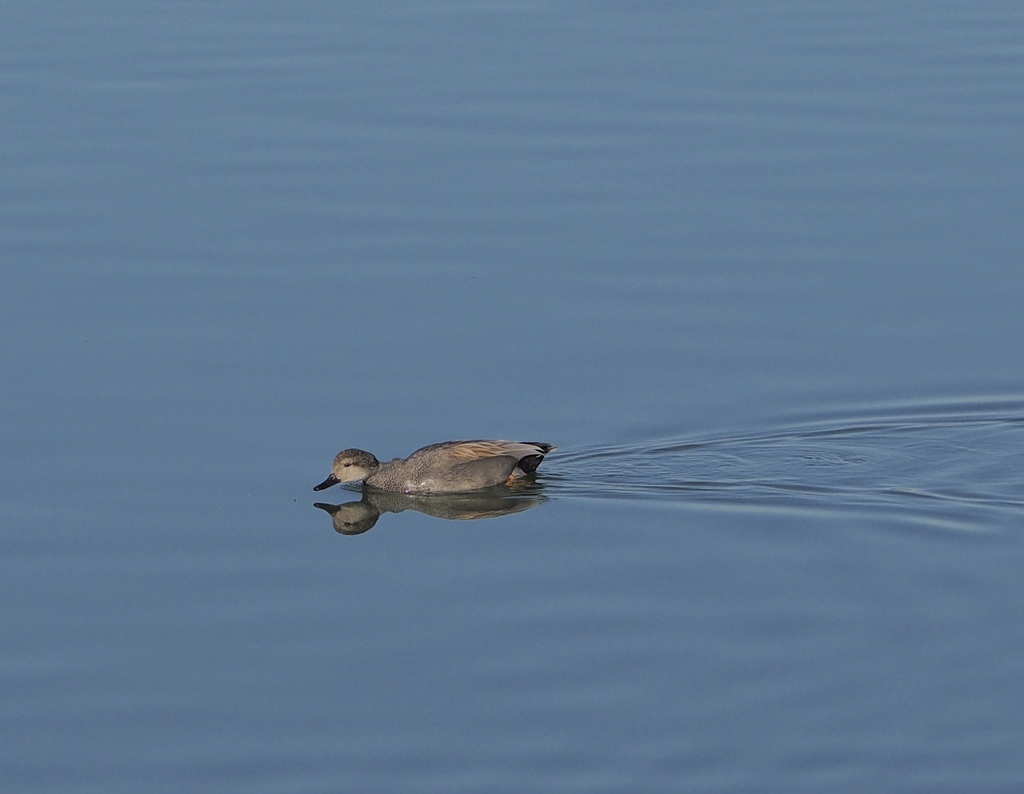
(530, 463)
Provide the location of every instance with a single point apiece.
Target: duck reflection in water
(354, 518)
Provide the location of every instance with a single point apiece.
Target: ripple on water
(952, 464)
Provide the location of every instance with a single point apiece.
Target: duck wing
(482, 449)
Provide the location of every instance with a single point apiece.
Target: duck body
(448, 467)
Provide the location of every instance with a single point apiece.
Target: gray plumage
(448, 467)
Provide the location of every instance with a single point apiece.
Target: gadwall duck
(448, 467)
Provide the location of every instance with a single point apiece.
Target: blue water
(754, 270)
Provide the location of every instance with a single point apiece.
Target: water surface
(755, 270)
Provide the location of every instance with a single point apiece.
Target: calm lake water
(754, 269)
